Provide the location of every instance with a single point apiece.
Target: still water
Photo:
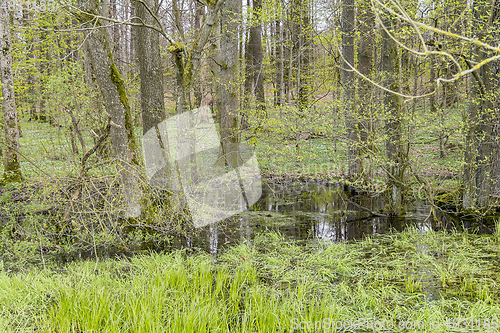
(321, 212)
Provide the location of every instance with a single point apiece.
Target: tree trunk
(280, 60)
(256, 55)
(394, 145)
(152, 98)
(198, 20)
(12, 166)
(365, 67)
(116, 103)
(302, 30)
(215, 87)
(249, 79)
(482, 142)
(187, 63)
(353, 157)
(229, 88)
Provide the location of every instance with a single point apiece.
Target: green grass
(287, 143)
(269, 285)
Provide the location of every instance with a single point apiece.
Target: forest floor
(287, 145)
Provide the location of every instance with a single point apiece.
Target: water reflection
(314, 211)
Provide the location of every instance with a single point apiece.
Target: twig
(77, 130)
(94, 149)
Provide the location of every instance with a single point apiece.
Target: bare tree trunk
(257, 56)
(133, 34)
(116, 103)
(151, 72)
(215, 69)
(249, 79)
(365, 66)
(229, 90)
(394, 145)
(152, 96)
(198, 20)
(353, 156)
(12, 166)
(301, 37)
(290, 52)
(115, 35)
(280, 60)
(482, 142)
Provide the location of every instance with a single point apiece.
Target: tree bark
(280, 61)
(482, 142)
(249, 80)
(229, 88)
(301, 33)
(257, 70)
(198, 20)
(12, 166)
(353, 156)
(365, 67)
(394, 145)
(151, 73)
(116, 103)
(152, 95)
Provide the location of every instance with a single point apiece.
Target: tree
(366, 22)
(199, 14)
(151, 73)
(229, 87)
(115, 100)
(12, 166)
(348, 27)
(302, 39)
(482, 164)
(396, 156)
(255, 56)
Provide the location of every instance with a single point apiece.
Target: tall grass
(268, 285)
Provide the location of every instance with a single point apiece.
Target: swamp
(260, 166)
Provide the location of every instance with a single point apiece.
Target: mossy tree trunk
(187, 64)
(115, 100)
(12, 166)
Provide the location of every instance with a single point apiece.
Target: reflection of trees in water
(310, 211)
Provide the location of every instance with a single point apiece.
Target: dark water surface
(305, 212)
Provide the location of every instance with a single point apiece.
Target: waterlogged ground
(412, 281)
(316, 212)
(306, 258)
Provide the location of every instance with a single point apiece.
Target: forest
(249, 166)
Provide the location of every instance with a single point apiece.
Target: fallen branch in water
(366, 209)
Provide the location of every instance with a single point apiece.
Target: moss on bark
(117, 80)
